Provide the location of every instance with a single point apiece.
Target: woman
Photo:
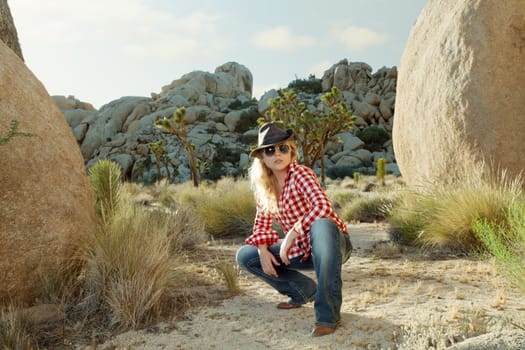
(315, 237)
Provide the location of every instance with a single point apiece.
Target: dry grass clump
(15, 330)
(227, 209)
(446, 216)
(129, 268)
(130, 264)
(364, 200)
(231, 276)
(441, 332)
(475, 212)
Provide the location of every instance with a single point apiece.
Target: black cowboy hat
(271, 134)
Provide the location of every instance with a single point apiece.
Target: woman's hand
(286, 245)
(268, 260)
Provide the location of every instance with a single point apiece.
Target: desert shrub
(364, 201)
(310, 85)
(175, 216)
(130, 264)
(506, 242)
(409, 216)
(367, 208)
(129, 268)
(247, 139)
(446, 216)
(341, 198)
(340, 171)
(248, 120)
(238, 105)
(227, 208)
(373, 134)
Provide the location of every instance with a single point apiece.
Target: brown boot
(319, 331)
(286, 306)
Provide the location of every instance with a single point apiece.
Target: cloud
(359, 38)
(280, 39)
(133, 28)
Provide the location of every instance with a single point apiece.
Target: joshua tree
(312, 129)
(176, 127)
(8, 30)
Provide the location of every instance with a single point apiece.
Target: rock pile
(221, 121)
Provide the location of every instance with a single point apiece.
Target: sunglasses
(270, 151)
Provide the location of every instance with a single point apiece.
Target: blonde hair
(264, 183)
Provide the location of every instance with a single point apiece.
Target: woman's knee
(324, 226)
(245, 254)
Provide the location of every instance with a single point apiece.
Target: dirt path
(385, 291)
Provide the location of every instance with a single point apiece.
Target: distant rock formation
(47, 204)
(460, 90)
(221, 121)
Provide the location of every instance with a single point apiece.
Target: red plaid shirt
(302, 201)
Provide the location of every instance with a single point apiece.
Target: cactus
(381, 171)
(176, 127)
(313, 130)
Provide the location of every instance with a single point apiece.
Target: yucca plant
(106, 185)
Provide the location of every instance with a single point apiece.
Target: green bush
(238, 105)
(310, 85)
(374, 137)
(342, 171)
(506, 242)
(248, 120)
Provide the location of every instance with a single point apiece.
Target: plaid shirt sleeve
(262, 230)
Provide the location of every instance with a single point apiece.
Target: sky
(101, 50)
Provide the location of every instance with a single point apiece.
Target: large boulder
(461, 90)
(47, 205)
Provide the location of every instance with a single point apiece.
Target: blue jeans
(330, 249)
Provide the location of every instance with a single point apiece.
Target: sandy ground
(392, 299)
